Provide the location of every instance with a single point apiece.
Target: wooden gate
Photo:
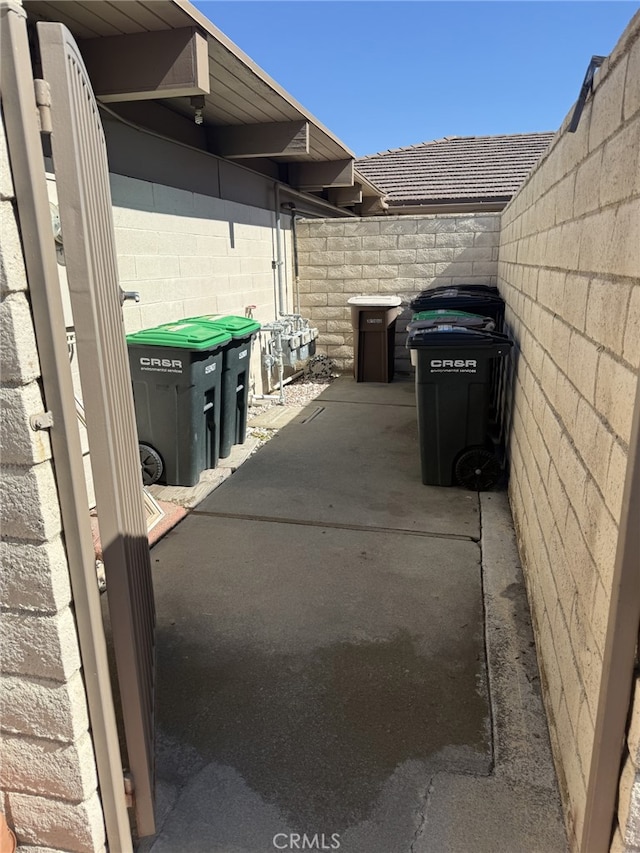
(82, 180)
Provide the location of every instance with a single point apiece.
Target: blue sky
(386, 74)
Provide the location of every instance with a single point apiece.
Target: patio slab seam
(330, 525)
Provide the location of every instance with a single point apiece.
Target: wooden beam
(143, 66)
(345, 196)
(321, 174)
(274, 139)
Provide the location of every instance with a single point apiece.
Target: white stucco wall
(189, 254)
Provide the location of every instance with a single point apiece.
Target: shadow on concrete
(317, 736)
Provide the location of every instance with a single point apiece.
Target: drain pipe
(293, 376)
(286, 381)
(296, 266)
(279, 263)
(265, 396)
(280, 357)
(276, 327)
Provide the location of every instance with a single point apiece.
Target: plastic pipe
(282, 300)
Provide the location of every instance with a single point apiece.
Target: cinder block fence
(399, 255)
(569, 271)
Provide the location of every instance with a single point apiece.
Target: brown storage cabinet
(373, 320)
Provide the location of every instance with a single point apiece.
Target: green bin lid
(237, 327)
(184, 334)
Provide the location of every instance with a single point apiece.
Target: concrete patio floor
(346, 654)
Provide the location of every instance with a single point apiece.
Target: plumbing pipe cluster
(292, 341)
(298, 339)
(274, 354)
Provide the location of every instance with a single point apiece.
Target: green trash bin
(176, 370)
(235, 376)
(453, 395)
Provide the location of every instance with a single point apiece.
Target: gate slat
(82, 176)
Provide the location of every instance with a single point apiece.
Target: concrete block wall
(399, 255)
(569, 271)
(48, 776)
(190, 254)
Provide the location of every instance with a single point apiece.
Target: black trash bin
(463, 319)
(235, 376)
(176, 370)
(469, 288)
(482, 300)
(453, 395)
(373, 320)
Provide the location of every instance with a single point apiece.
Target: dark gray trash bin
(236, 370)
(176, 370)
(453, 394)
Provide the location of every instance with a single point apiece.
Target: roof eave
(258, 120)
(203, 22)
(461, 205)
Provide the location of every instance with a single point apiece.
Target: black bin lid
(489, 289)
(458, 299)
(446, 336)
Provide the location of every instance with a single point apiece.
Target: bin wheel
(151, 464)
(477, 469)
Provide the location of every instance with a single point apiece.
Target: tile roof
(456, 168)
